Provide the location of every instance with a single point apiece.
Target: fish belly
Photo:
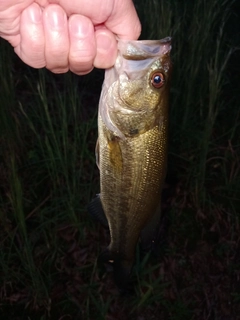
(132, 173)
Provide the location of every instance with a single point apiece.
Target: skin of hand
(64, 35)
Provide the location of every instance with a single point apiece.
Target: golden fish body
(132, 144)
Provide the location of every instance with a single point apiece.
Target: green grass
(48, 130)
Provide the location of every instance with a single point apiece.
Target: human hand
(63, 34)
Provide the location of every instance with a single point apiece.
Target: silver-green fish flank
(132, 146)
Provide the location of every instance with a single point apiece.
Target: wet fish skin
(132, 145)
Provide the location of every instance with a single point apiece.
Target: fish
(131, 151)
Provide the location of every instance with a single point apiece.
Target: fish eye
(157, 79)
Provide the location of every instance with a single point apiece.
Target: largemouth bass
(132, 147)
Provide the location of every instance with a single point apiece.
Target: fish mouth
(144, 49)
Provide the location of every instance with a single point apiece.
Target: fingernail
(103, 43)
(35, 14)
(56, 18)
(80, 28)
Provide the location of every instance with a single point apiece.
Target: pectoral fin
(97, 153)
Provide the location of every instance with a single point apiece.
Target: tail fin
(121, 270)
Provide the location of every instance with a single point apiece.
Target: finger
(82, 44)
(119, 16)
(31, 48)
(106, 48)
(124, 21)
(96, 10)
(56, 39)
(42, 3)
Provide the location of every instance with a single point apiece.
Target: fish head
(135, 90)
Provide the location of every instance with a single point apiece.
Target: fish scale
(132, 146)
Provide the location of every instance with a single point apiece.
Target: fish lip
(143, 49)
(147, 42)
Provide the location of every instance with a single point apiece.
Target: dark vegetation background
(48, 129)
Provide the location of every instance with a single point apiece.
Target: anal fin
(96, 211)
